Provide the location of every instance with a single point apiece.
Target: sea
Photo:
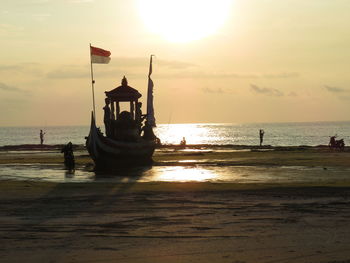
(276, 134)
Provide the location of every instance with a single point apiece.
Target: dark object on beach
(148, 133)
(42, 137)
(336, 144)
(261, 135)
(158, 142)
(69, 161)
(183, 141)
(123, 144)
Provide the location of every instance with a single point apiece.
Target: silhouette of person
(42, 137)
(139, 111)
(158, 141)
(139, 116)
(148, 132)
(107, 118)
(67, 151)
(183, 141)
(261, 135)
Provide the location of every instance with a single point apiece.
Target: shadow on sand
(39, 214)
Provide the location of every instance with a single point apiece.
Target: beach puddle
(47, 172)
(178, 173)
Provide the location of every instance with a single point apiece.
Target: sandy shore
(160, 222)
(179, 222)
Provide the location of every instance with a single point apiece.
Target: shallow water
(197, 173)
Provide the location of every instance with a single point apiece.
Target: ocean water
(276, 134)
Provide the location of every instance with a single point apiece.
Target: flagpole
(92, 85)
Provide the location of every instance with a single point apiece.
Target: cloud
(173, 64)
(223, 75)
(39, 1)
(266, 91)
(68, 73)
(67, 1)
(281, 75)
(125, 62)
(292, 94)
(335, 89)
(78, 72)
(6, 87)
(213, 90)
(28, 69)
(80, 1)
(41, 17)
(340, 93)
(134, 66)
(6, 29)
(9, 67)
(344, 98)
(141, 62)
(187, 70)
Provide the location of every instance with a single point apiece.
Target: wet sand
(179, 222)
(230, 155)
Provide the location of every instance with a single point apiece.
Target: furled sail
(150, 109)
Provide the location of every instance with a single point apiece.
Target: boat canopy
(123, 93)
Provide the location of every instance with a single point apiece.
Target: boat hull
(108, 153)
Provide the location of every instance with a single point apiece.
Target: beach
(174, 131)
(183, 221)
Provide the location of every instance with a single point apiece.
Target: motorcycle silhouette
(336, 144)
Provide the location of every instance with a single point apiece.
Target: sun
(184, 20)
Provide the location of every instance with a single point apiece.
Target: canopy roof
(123, 92)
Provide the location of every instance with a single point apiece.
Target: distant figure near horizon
(42, 137)
(183, 141)
(336, 144)
(261, 135)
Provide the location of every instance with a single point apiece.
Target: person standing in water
(42, 137)
(183, 141)
(261, 135)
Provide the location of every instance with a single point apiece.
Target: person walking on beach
(261, 135)
(42, 137)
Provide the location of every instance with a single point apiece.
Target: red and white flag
(99, 55)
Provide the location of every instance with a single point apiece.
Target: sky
(221, 61)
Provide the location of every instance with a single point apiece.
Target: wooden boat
(129, 138)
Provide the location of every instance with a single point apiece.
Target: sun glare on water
(184, 20)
